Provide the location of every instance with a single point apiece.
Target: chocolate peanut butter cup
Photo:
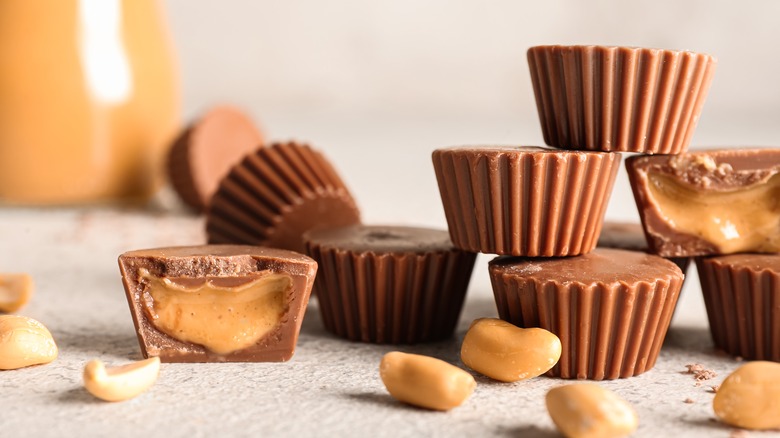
(610, 308)
(742, 296)
(276, 194)
(217, 303)
(709, 202)
(631, 236)
(627, 99)
(204, 153)
(524, 201)
(389, 284)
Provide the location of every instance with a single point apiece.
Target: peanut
(586, 410)
(750, 397)
(15, 291)
(120, 383)
(425, 381)
(508, 353)
(24, 342)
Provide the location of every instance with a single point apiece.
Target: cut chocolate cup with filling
(217, 303)
(709, 202)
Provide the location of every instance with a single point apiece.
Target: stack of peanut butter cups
(542, 209)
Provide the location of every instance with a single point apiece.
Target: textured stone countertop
(331, 387)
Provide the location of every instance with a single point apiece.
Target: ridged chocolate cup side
(608, 329)
(206, 150)
(619, 98)
(525, 201)
(743, 304)
(391, 298)
(275, 195)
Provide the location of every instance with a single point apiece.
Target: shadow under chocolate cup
(626, 99)
(610, 308)
(389, 284)
(524, 200)
(742, 297)
(276, 194)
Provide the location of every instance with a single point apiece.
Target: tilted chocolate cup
(610, 308)
(389, 284)
(204, 153)
(742, 296)
(524, 201)
(626, 99)
(275, 195)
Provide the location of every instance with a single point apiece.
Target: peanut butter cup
(204, 153)
(389, 284)
(276, 194)
(709, 202)
(524, 201)
(610, 308)
(217, 303)
(627, 99)
(742, 295)
(631, 236)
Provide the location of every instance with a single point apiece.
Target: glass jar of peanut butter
(88, 100)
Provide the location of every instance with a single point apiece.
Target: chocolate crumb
(714, 388)
(688, 401)
(700, 373)
(737, 433)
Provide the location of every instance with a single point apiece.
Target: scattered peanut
(24, 342)
(120, 383)
(15, 291)
(586, 410)
(508, 353)
(750, 397)
(425, 381)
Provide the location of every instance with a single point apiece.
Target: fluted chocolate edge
(619, 98)
(743, 308)
(607, 331)
(391, 298)
(267, 186)
(525, 203)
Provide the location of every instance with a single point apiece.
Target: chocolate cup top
(491, 150)
(602, 265)
(622, 235)
(381, 239)
(750, 262)
(204, 153)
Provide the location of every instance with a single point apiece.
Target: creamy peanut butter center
(739, 220)
(223, 314)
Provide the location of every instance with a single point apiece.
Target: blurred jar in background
(88, 100)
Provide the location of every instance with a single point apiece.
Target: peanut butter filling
(222, 314)
(740, 220)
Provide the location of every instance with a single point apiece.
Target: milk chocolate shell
(631, 236)
(204, 153)
(389, 284)
(742, 295)
(610, 308)
(709, 202)
(217, 303)
(619, 98)
(275, 195)
(524, 201)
